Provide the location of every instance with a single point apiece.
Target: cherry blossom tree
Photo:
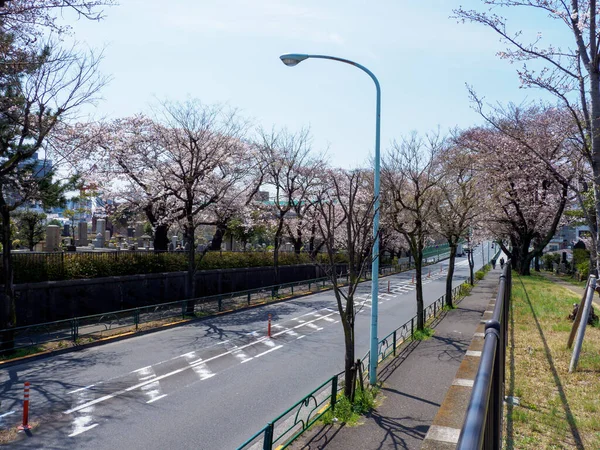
(567, 70)
(459, 203)
(409, 179)
(291, 171)
(41, 87)
(344, 218)
(525, 170)
(200, 156)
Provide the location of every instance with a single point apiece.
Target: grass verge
(423, 335)
(557, 410)
(350, 413)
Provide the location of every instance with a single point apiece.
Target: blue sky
(228, 52)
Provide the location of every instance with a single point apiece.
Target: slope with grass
(556, 410)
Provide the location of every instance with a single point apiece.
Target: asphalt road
(206, 385)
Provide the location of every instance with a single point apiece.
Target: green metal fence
(83, 329)
(286, 427)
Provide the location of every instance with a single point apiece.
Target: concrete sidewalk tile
(443, 434)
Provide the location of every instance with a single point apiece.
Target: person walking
(493, 263)
(502, 263)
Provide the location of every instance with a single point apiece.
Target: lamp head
(292, 59)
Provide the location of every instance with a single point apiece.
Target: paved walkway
(414, 384)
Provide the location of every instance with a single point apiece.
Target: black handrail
(482, 428)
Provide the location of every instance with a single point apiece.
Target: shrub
(548, 259)
(66, 266)
(584, 269)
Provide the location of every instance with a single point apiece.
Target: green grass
(22, 352)
(557, 409)
(424, 334)
(348, 412)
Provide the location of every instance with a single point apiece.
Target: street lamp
(291, 60)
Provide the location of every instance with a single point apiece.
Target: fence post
(74, 329)
(434, 308)
(412, 327)
(333, 393)
(268, 442)
(394, 342)
(249, 297)
(220, 303)
(136, 318)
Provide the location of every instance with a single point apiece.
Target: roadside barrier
(482, 427)
(84, 329)
(285, 428)
(25, 425)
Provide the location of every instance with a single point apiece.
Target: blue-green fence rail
(285, 428)
(83, 329)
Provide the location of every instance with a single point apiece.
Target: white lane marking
(147, 378)
(156, 398)
(268, 351)
(311, 325)
(191, 364)
(123, 391)
(80, 427)
(7, 414)
(292, 333)
(301, 336)
(80, 389)
(83, 421)
(151, 390)
(269, 342)
(199, 366)
(236, 352)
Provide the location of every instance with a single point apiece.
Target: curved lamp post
(291, 60)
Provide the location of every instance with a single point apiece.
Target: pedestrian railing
(283, 430)
(83, 329)
(482, 428)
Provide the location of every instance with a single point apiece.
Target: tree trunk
(191, 267)
(276, 247)
(161, 238)
(349, 368)
(8, 317)
(418, 256)
(523, 260)
(217, 240)
(297, 246)
(471, 265)
(537, 263)
(451, 261)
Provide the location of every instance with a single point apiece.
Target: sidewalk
(414, 384)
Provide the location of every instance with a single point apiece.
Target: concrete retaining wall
(56, 300)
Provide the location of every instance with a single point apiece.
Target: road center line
(268, 351)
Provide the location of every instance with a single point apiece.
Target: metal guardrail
(93, 327)
(482, 428)
(286, 427)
